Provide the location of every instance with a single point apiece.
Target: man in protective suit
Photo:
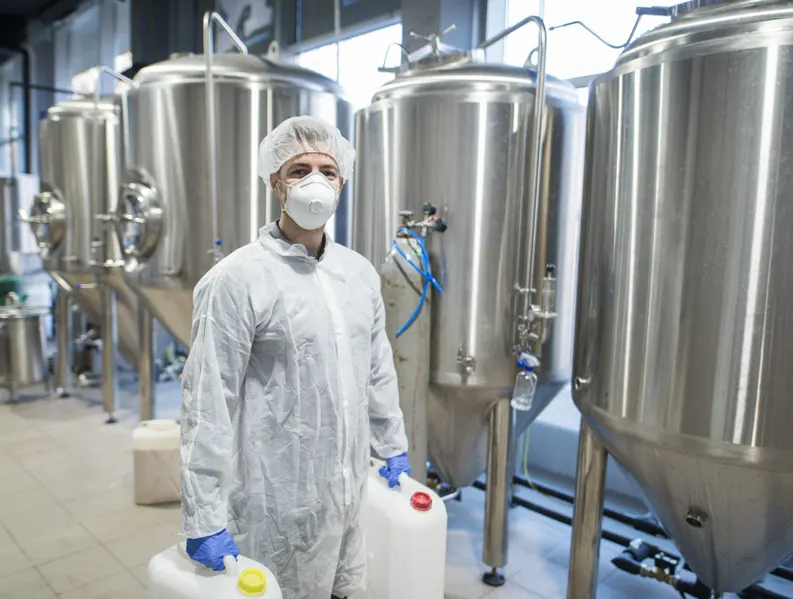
(289, 382)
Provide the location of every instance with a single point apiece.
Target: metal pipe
(643, 524)
(10, 380)
(557, 516)
(209, 51)
(535, 172)
(45, 88)
(535, 149)
(652, 11)
(783, 572)
(109, 299)
(102, 69)
(109, 350)
(753, 592)
(337, 34)
(405, 55)
(600, 39)
(499, 491)
(508, 31)
(63, 378)
(587, 515)
(27, 104)
(146, 363)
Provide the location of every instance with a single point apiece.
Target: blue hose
(425, 273)
(416, 313)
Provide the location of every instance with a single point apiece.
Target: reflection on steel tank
(454, 131)
(684, 334)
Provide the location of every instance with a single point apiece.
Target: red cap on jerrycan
(421, 501)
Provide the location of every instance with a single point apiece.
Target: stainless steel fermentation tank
(80, 158)
(684, 331)
(191, 192)
(18, 252)
(458, 133)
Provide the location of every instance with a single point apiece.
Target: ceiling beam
(12, 31)
(55, 10)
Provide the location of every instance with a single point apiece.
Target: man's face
(303, 165)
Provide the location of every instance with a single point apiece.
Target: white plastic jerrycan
(405, 538)
(173, 575)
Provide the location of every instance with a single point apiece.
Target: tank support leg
(13, 391)
(146, 365)
(63, 333)
(587, 515)
(109, 350)
(499, 492)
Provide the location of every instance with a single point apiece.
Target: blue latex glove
(210, 551)
(393, 468)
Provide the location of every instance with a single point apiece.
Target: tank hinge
(466, 362)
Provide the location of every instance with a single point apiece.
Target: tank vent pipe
(211, 17)
(642, 11)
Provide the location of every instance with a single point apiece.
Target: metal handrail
(535, 147)
(104, 70)
(211, 17)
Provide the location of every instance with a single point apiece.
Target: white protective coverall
(289, 371)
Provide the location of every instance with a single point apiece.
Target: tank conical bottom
(458, 428)
(82, 286)
(173, 308)
(728, 508)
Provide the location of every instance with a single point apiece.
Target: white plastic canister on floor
(173, 575)
(155, 445)
(406, 539)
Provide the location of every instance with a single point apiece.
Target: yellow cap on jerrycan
(252, 583)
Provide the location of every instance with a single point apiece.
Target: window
(572, 51)
(120, 64)
(359, 59)
(322, 60)
(354, 62)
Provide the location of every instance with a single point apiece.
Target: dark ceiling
(24, 8)
(16, 14)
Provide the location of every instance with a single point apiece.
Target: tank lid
(82, 106)
(21, 312)
(706, 20)
(686, 7)
(432, 54)
(251, 68)
(469, 71)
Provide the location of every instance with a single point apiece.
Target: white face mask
(311, 201)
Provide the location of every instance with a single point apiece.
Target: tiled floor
(68, 527)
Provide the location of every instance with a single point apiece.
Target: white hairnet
(301, 135)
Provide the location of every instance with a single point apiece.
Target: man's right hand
(210, 551)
